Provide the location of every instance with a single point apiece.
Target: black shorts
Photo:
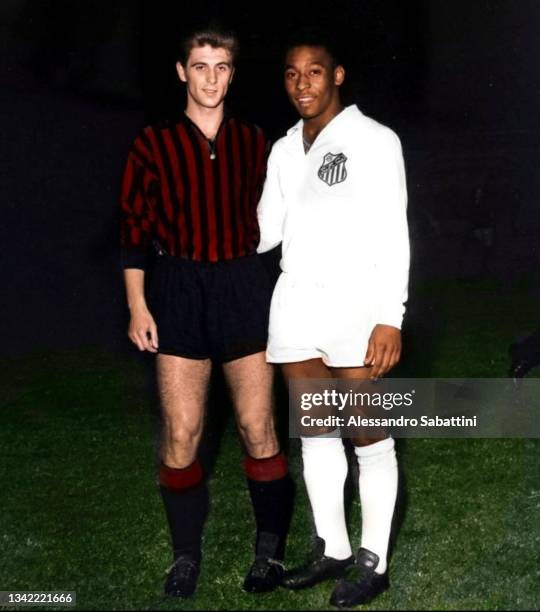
(210, 310)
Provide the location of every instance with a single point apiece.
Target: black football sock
(272, 494)
(185, 497)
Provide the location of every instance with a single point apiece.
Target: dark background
(459, 81)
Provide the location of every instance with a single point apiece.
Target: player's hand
(143, 330)
(384, 349)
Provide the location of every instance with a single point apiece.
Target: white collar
(334, 123)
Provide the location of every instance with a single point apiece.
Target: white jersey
(339, 211)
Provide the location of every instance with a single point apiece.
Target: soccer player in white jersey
(335, 197)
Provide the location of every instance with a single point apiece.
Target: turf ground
(80, 512)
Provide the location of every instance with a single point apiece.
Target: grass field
(80, 510)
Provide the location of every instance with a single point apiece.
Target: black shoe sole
(345, 606)
(308, 585)
(363, 602)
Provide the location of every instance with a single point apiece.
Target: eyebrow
(289, 67)
(207, 64)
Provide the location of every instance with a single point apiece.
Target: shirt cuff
(391, 316)
(134, 257)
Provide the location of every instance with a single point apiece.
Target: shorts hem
(184, 354)
(307, 357)
(244, 353)
(299, 358)
(346, 365)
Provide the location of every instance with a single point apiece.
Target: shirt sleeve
(138, 203)
(261, 158)
(393, 250)
(271, 210)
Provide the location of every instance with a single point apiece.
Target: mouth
(304, 100)
(210, 92)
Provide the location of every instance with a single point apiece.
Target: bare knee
(183, 385)
(179, 444)
(182, 436)
(259, 437)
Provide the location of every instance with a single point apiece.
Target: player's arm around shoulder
(271, 210)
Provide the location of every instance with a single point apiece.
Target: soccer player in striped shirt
(190, 189)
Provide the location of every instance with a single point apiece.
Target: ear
(339, 75)
(232, 74)
(181, 72)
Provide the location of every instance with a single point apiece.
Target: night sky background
(459, 82)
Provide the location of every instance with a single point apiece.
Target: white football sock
(325, 472)
(378, 491)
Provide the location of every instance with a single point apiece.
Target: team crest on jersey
(332, 170)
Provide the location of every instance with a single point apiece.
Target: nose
(302, 82)
(212, 76)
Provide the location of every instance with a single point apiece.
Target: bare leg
(183, 389)
(182, 385)
(359, 374)
(377, 481)
(325, 472)
(250, 381)
(270, 487)
(311, 368)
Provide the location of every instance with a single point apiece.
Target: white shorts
(311, 319)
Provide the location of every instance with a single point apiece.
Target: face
(208, 73)
(312, 82)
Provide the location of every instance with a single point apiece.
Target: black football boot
(266, 572)
(182, 577)
(318, 569)
(362, 583)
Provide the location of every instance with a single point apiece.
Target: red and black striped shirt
(197, 198)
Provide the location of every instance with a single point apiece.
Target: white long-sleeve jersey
(339, 210)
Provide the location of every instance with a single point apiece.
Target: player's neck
(315, 125)
(207, 120)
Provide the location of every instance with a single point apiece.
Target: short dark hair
(214, 36)
(315, 37)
